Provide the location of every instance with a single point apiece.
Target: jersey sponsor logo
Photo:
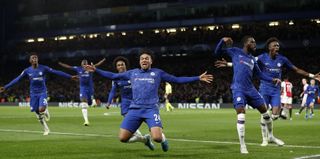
(277, 70)
(84, 75)
(127, 87)
(247, 63)
(149, 80)
(37, 78)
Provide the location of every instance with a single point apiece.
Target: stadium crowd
(300, 31)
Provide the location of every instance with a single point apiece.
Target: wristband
(311, 75)
(229, 64)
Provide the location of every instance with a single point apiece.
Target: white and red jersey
(305, 88)
(305, 94)
(286, 88)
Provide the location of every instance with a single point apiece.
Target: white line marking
(57, 133)
(237, 143)
(306, 157)
(180, 140)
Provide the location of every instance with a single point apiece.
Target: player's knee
(123, 140)
(42, 109)
(157, 138)
(124, 136)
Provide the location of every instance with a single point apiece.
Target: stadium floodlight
(211, 27)
(72, 37)
(123, 33)
(194, 28)
(157, 31)
(40, 39)
(30, 40)
(141, 32)
(274, 23)
(62, 38)
(291, 22)
(183, 29)
(93, 36)
(84, 36)
(235, 26)
(171, 30)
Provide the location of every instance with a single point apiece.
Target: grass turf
(191, 134)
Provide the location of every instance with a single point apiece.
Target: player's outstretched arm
(16, 80)
(59, 73)
(222, 63)
(206, 77)
(304, 73)
(100, 62)
(107, 74)
(111, 94)
(317, 76)
(222, 45)
(173, 79)
(65, 65)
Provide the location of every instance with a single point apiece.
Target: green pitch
(191, 134)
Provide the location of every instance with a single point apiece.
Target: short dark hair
(120, 58)
(148, 52)
(270, 40)
(33, 53)
(245, 38)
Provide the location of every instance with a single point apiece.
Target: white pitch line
(306, 157)
(180, 140)
(57, 133)
(237, 143)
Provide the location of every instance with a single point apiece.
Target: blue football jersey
(244, 66)
(85, 77)
(145, 84)
(272, 68)
(311, 91)
(37, 78)
(125, 89)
